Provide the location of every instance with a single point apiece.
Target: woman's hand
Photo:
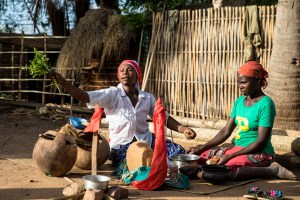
(72, 90)
(194, 150)
(223, 159)
(58, 77)
(188, 133)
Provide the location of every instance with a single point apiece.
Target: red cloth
(258, 160)
(254, 69)
(94, 125)
(136, 67)
(159, 166)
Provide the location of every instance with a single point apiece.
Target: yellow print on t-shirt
(242, 125)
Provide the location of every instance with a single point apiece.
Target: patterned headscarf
(136, 67)
(254, 69)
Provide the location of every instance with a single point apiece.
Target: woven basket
(139, 154)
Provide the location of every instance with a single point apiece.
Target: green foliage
(39, 65)
(136, 21)
(138, 13)
(132, 6)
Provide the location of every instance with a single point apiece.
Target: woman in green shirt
(253, 115)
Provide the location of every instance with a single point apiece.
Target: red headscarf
(254, 69)
(136, 67)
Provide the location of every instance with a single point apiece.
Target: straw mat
(202, 187)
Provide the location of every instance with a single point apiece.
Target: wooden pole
(20, 68)
(152, 52)
(44, 78)
(94, 153)
(140, 46)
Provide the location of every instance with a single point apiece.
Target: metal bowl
(98, 182)
(182, 160)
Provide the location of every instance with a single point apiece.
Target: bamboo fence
(192, 64)
(14, 79)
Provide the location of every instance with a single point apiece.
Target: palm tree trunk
(284, 69)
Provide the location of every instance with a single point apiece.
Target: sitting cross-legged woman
(253, 115)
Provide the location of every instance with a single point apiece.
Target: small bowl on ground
(78, 123)
(98, 182)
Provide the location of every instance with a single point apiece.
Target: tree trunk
(284, 69)
(109, 4)
(81, 6)
(57, 18)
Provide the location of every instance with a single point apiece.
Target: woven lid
(139, 154)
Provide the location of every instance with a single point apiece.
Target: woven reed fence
(15, 82)
(192, 64)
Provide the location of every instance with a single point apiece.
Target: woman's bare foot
(200, 174)
(282, 172)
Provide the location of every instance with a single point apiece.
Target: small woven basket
(139, 154)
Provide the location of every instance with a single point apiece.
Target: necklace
(132, 94)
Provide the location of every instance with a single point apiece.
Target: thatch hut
(94, 49)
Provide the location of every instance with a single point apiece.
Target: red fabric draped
(94, 124)
(159, 166)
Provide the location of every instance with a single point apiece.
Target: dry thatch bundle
(99, 35)
(115, 40)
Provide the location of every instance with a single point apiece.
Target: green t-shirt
(248, 119)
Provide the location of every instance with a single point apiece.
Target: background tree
(57, 19)
(284, 66)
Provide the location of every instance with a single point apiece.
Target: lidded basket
(139, 154)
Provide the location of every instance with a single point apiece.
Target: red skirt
(254, 160)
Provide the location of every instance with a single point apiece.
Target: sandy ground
(20, 178)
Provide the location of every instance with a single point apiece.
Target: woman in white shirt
(126, 108)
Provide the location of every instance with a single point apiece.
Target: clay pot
(295, 146)
(84, 152)
(55, 153)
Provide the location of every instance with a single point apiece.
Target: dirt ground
(20, 178)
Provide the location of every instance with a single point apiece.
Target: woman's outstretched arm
(74, 91)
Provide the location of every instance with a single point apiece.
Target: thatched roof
(99, 35)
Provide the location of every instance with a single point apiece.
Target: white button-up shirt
(125, 121)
